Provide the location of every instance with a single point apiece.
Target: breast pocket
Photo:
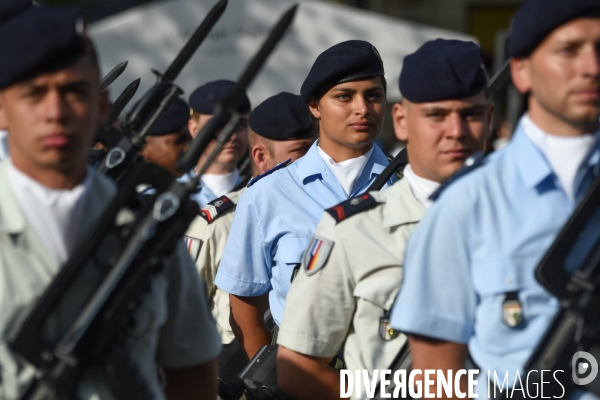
(375, 296)
(511, 303)
(288, 258)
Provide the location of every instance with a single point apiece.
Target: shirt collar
(529, 159)
(405, 209)
(531, 162)
(312, 164)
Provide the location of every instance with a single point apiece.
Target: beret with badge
(536, 19)
(441, 70)
(204, 99)
(173, 120)
(346, 61)
(282, 117)
(39, 40)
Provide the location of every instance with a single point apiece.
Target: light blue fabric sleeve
(437, 298)
(245, 269)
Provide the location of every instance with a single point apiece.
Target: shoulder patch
(193, 245)
(269, 172)
(471, 164)
(316, 255)
(352, 206)
(215, 208)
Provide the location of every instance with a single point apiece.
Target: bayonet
(112, 76)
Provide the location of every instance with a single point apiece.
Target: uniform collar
(402, 207)
(531, 163)
(13, 221)
(529, 159)
(312, 165)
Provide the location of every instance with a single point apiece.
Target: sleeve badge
(193, 246)
(316, 255)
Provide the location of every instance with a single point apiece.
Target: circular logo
(583, 364)
(356, 201)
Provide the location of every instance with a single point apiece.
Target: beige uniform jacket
(172, 324)
(342, 302)
(206, 242)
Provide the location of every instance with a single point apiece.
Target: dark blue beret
(204, 99)
(12, 8)
(347, 61)
(39, 40)
(173, 120)
(282, 117)
(441, 70)
(536, 19)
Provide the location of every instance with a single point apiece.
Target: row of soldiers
(304, 238)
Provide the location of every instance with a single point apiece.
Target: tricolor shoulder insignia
(316, 255)
(193, 245)
(352, 206)
(269, 172)
(216, 208)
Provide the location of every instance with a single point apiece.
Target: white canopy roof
(151, 35)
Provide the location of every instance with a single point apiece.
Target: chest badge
(512, 310)
(316, 255)
(386, 332)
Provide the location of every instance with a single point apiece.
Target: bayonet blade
(112, 76)
(122, 101)
(195, 41)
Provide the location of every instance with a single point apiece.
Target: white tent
(151, 35)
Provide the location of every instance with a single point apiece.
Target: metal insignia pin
(512, 310)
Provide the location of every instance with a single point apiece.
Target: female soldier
(345, 92)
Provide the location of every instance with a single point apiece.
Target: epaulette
(352, 206)
(471, 164)
(216, 208)
(269, 172)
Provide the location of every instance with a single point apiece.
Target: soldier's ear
(260, 157)
(399, 117)
(313, 106)
(520, 72)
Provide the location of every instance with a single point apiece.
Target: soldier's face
(441, 135)
(165, 150)
(350, 114)
(52, 118)
(233, 150)
(281, 151)
(563, 74)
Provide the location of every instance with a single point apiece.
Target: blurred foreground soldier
(51, 105)
(275, 219)
(169, 137)
(352, 270)
(469, 278)
(280, 131)
(222, 176)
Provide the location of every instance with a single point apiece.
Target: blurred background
(150, 33)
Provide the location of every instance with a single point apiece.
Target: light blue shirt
(482, 239)
(275, 220)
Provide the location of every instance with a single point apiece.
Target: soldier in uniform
(51, 105)
(169, 137)
(352, 270)
(275, 219)
(280, 132)
(469, 283)
(222, 176)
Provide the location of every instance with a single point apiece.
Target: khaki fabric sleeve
(189, 336)
(319, 307)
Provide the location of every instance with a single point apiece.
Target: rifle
(121, 157)
(570, 270)
(125, 249)
(401, 159)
